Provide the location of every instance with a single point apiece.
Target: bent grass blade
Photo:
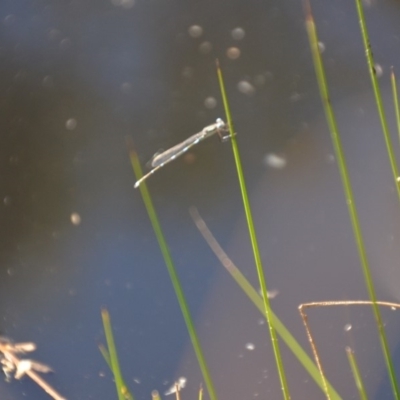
(253, 295)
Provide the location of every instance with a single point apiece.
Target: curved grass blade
(253, 295)
(171, 270)
(331, 120)
(356, 374)
(122, 390)
(253, 239)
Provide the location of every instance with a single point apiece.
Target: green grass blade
(106, 355)
(155, 395)
(331, 120)
(172, 271)
(356, 374)
(252, 294)
(122, 390)
(377, 93)
(253, 239)
(201, 392)
(395, 100)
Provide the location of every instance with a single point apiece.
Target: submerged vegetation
(276, 327)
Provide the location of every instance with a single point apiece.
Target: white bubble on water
(378, 70)
(71, 124)
(9, 20)
(123, 3)
(65, 44)
(75, 218)
(259, 80)
(321, 47)
(246, 88)
(233, 53)
(275, 161)
(205, 47)
(47, 81)
(195, 31)
(127, 3)
(210, 102)
(250, 346)
(126, 88)
(348, 327)
(238, 33)
(7, 200)
(187, 73)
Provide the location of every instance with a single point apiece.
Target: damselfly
(163, 158)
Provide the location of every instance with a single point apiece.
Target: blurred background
(77, 77)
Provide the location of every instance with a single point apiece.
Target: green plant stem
(378, 96)
(356, 374)
(323, 87)
(122, 390)
(395, 100)
(253, 239)
(106, 356)
(172, 271)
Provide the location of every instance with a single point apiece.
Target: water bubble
(272, 293)
(246, 88)
(123, 3)
(10, 271)
(205, 47)
(330, 158)
(20, 76)
(126, 88)
(195, 31)
(14, 160)
(9, 20)
(233, 53)
(393, 308)
(238, 33)
(54, 34)
(295, 96)
(348, 327)
(378, 70)
(187, 73)
(250, 346)
(47, 81)
(65, 44)
(210, 102)
(71, 124)
(321, 47)
(259, 80)
(274, 161)
(75, 218)
(127, 3)
(7, 200)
